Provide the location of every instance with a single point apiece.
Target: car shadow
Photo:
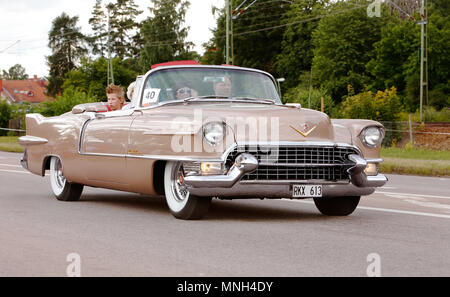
(237, 210)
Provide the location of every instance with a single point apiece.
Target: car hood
(248, 121)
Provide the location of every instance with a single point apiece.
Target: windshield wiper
(254, 99)
(205, 97)
(249, 99)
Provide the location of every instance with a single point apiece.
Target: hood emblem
(304, 129)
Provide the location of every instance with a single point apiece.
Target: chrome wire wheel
(180, 192)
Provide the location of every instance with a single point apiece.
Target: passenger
(130, 90)
(183, 90)
(116, 97)
(223, 87)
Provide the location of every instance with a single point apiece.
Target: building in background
(32, 90)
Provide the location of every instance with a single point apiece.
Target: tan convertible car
(196, 132)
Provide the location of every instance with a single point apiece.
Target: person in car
(116, 97)
(183, 90)
(223, 87)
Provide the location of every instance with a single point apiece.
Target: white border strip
(417, 213)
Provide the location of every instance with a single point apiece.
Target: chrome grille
(295, 163)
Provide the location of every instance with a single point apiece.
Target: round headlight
(372, 136)
(213, 132)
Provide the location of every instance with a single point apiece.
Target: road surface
(403, 228)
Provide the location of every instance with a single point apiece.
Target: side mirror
(279, 81)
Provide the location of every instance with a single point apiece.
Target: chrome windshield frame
(161, 68)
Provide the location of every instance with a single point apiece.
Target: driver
(223, 87)
(183, 90)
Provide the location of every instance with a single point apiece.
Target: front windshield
(182, 83)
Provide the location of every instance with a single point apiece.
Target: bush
(5, 115)
(381, 106)
(300, 95)
(65, 103)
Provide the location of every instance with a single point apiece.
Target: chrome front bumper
(230, 184)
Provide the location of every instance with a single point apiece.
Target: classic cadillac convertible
(196, 132)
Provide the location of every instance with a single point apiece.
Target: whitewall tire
(181, 204)
(61, 188)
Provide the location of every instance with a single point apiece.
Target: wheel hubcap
(180, 190)
(60, 179)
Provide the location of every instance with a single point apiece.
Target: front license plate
(306, 191)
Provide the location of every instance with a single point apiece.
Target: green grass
(414, 153)
(415, 161)
(10, 144)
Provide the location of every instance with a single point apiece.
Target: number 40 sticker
(150, 96)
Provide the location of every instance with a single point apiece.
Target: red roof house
(32, 90)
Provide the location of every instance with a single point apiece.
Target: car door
(104, 142)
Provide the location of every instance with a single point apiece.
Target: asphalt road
(404, 226)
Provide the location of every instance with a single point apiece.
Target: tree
(16, 72)
(164, 34)
(122, 26)
(296, 51)
(257, 35)
(91, 76)
(343, 45)
(98, 41)
(67, 44)
(399, 42)
(5, 116)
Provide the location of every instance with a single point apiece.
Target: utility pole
(110, 67)
(227, 46)
(233, 14)
(423, 57)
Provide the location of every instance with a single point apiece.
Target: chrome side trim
(31, 140)
(379, 160)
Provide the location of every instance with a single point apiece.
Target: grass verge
(415, 161)
(10, 144)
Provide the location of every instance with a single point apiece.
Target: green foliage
(123, 14)
(19, 111)
(300, 95)
(344, 43)
(398, 44)
(253, 45)
(296, 54)
(16, 72)
(379, 106)
(164, 34)
(98, 21)
(65, 102)
(91, 76)
(67, 44)
(5, 116)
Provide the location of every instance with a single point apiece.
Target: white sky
(30, 21)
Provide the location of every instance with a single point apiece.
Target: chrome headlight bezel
(213, 133)
(372, 136)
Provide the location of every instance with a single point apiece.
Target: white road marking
(409, 195)
(10, 165)
(417, 213)
(14, 171)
